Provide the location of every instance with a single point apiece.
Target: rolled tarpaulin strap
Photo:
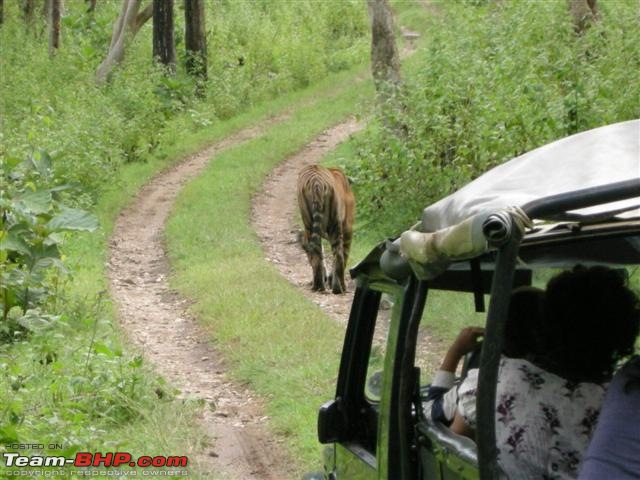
(498, 226)
(433, 251)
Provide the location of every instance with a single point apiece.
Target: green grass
(42, 405)
(86, 254)
(280, 343)
(277, 341)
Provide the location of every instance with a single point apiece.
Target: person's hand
(466, 342)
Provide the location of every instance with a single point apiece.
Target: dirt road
(155, 320)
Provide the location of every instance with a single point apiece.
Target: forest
(101, 100)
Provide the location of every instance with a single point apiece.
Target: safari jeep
(576, 200)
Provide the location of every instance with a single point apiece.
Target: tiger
(327, 207)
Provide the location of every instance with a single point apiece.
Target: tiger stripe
(327, 208)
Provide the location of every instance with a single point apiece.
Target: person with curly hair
(590, 323)
(519, 342)
(547, 407)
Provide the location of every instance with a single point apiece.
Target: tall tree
(385, 65)
(164, 48)
(584, 13)
(195, 38)
(53, 21)
(385, 61)
(28, 8)
(124, 29)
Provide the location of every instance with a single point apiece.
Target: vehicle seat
(463, 447)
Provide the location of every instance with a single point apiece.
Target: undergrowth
(70, 381)
(495, 80)
(257, 50)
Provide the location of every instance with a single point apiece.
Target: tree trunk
(195, 38)
(584, 13)
(91, 6)
(385, 61)
(124, 29)
(385, 66)
(164, 48)
(28, 8)
(1, 12)
(53, 20)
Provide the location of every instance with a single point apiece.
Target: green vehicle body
(389, 437)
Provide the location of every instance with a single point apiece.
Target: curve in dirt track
(274, 219)
(274, 213)
(155, 319)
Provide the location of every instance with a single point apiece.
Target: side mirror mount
(332, 423)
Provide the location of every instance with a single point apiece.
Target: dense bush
(62, 370)
(266, 47)
(496, 79)
(56, 390)
(33, 220)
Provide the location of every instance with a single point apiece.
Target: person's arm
(465, 342)
(460, 426)
(441, 400)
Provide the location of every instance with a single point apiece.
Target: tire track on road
(156, 320)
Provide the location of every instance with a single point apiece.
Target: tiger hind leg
(319, 274)
(316, 260)
(338, 284)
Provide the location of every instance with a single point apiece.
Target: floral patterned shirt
(543, 422)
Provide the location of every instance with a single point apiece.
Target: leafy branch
(33, 224)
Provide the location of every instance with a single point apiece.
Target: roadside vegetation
(495, 80)
(73, 153)
(489, 81)
(258, 50)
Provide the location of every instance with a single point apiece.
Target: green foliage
(69, 380)
(496, 79)
(65, 379)
(32, 222)
(256, 50)
(71, 384)
(274, 338)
